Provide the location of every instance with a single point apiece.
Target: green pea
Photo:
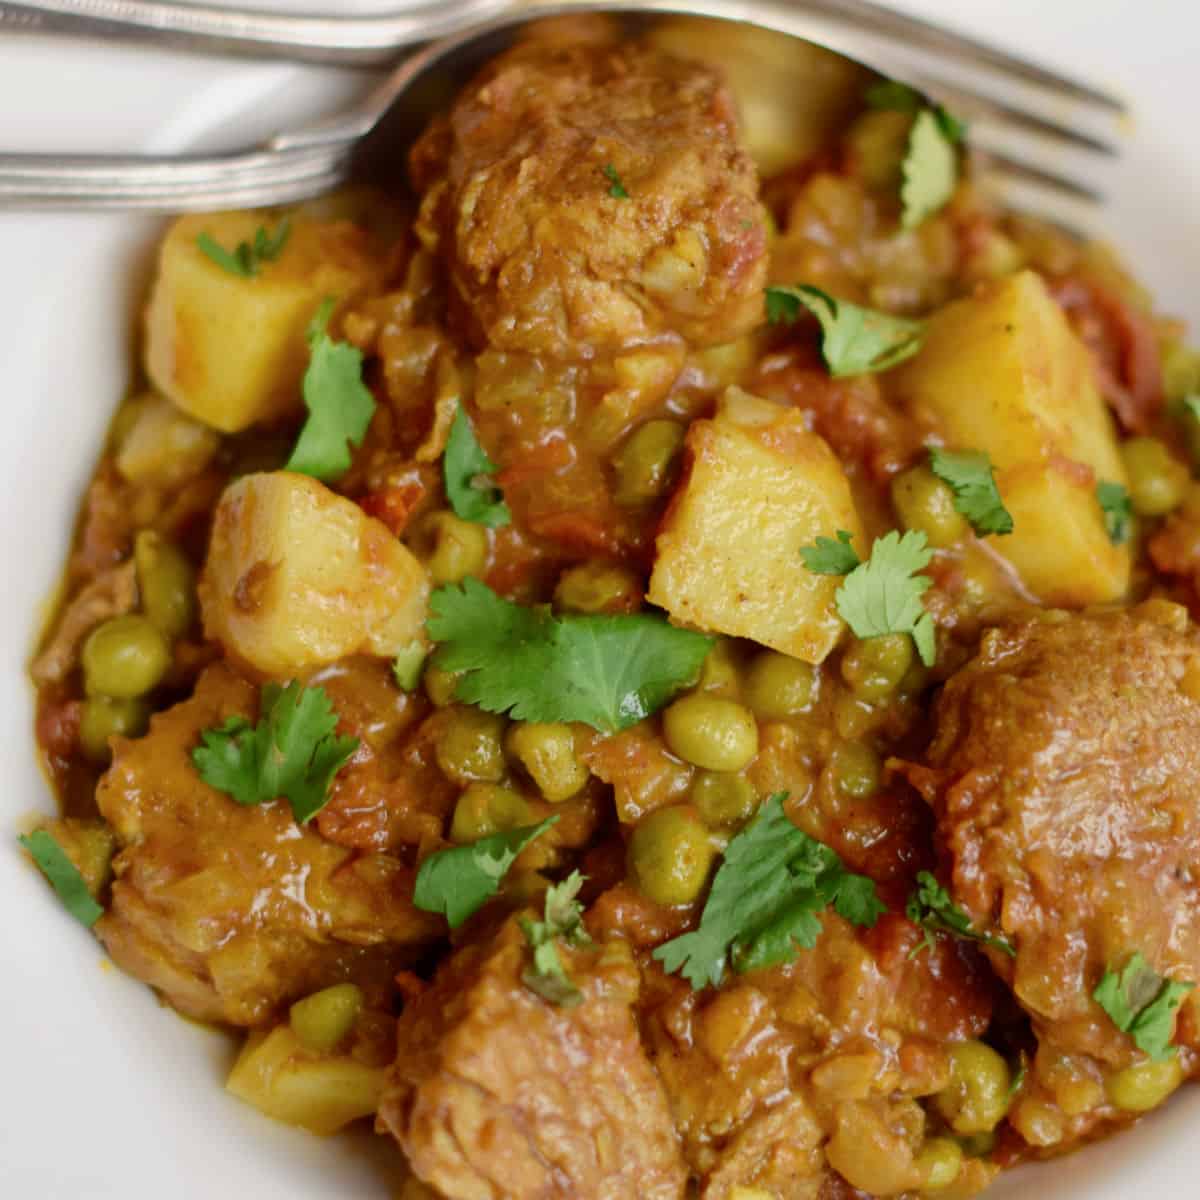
(670, 855)
(977, 1096)
(711, 732)
(103, 717)
(939, 1162)
(166, 584)
(324, 1019)
(777, 686)
(440, 685)
(648, 463)
(469, 746)
(1145, 1085)
(1157, 480)
(460, 548)
(924, 502)
(875, 667)
(547, 752)
(724, 799)
(721, 673)
(598, 588)
(124, 657)
(857, 770)
(484, 809)
(876, 143)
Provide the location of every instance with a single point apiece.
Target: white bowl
(105, 1092)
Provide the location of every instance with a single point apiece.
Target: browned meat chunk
(585, 196)
(1065, 775)
(497, 1093)
(842, 1041)
(230, 911)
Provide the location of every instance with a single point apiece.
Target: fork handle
(324, 38)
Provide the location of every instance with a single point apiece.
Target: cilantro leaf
(930, 168)
(607, 671)
(854, 340)
(883, 594)
(766, 901)
(973, 481)
(467, 471)
(617, 189)
(1118, 511)
(459, 881)
(64, 876)
(1142, 1003)
(407, 666)
(291, 752)
(828, 557)
(246, 257)
(562, 918)
(340, 406)
(931, 908)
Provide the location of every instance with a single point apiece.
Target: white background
(102, 1092)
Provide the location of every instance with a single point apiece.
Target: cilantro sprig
(854, 340)
(340, 406)
(292, 751)
(562, 919)
(1117, 508)
(766, 901)
(828, 557)
(459, 881)
(883, 594)
(245, 258)
(607, 671)
(616, 188)
(468, 473)
(63, 876)
(407, 666)
(931, 908)
(971, 477)
(1142, 1003)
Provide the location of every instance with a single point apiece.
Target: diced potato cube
(758, 485)
(231, 350)
(163, 447)
(297, 576)
(1003, 372)
(276, 1075)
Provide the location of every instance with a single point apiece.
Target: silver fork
(1046, 137)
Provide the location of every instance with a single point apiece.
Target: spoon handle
(354, 40)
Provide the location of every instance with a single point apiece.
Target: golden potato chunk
(230, 349)
(297, 576)
(1003, 372)
(758, 486)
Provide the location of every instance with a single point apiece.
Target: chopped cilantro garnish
(930, 168)
(828, 557)
(64, 877)
(607, 671)
(458, 882)
(883, 594)
(617, 188)
(246, 257)
(765, 901)
(562, 917)
(407, 665)
(854, 340)
(1142, 1003)
(1118, 511)
(468, 473)
(291, 752)
(973, 482)
(340, 406)
(931, 908)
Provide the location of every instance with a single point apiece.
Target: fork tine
(918, 32)
(973, 104)
(1002, 166)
